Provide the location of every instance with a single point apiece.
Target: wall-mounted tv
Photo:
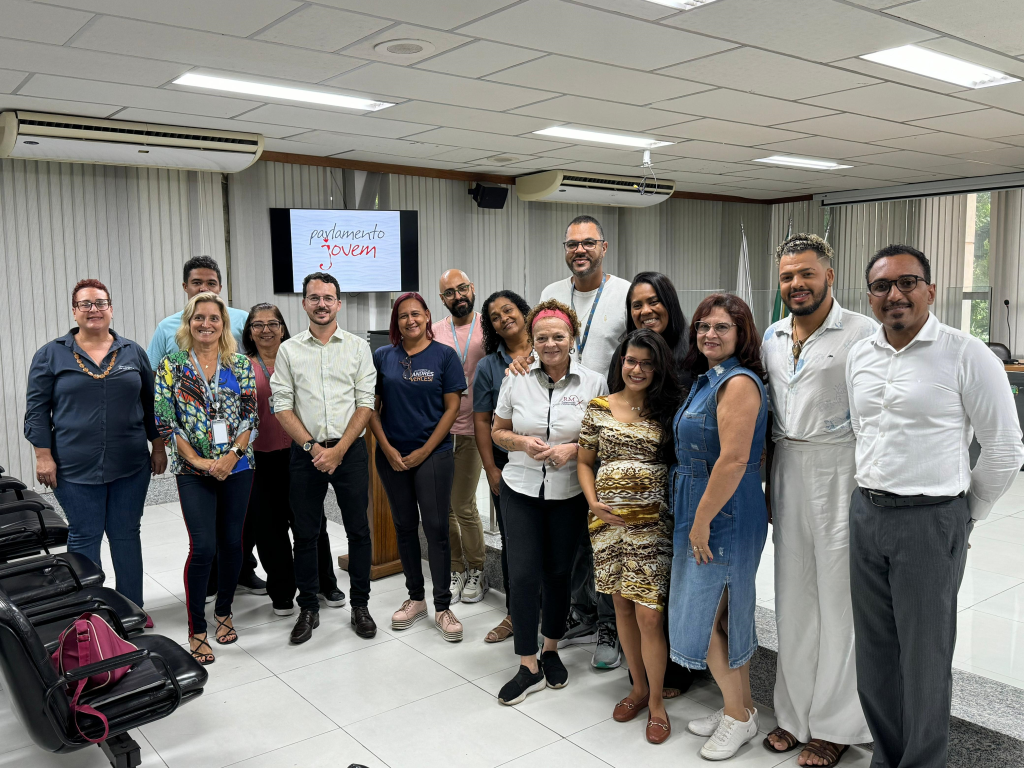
(366, 250)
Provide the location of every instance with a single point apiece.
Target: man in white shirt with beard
(919, 390)
(811, 465)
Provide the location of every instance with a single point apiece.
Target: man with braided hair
(811, 465)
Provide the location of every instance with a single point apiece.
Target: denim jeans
(114, 508)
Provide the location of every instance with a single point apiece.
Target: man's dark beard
(458, 309)
(816, 301)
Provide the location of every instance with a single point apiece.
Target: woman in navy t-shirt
(419, 388)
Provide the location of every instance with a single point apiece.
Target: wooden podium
(384, 560)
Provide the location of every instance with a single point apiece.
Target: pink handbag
(88, 641)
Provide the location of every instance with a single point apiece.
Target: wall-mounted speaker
(489, 197)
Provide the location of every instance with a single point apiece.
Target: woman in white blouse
(537, 420)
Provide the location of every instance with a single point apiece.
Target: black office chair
(1001, 351)
(28, 526)
(50, 617)
(33, 579)
(163, 676)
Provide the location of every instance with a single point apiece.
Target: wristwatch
(239, 452)
(308, 446)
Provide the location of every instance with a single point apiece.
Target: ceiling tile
(600, 81)
(228, 17)
(329, 120)
(877, 172)
(854, 127)
(1017, 141)
(781, 186)
(205, 49)
(822, 30)
(642, 9)
(894, 75)
(479, 58)
(463, 117)
(389, 80)
(606, 114)
(905, 159)
(1005, 156)
(441, 41)
(894, 102)
(993, 23)
(40, 23)
(322, 29)
(691, 177)
(706, 150)
(213, 123)
(389, 159)
(769, 74)
(345, 142)
(944, 144)
(58, 106)
(742, 107)
(969, 168)
(71, 89)
(297, 147)
(783, 174)
(985, 123)
(1009, 97)
(440, 15)
(620, 40)
(464, 155)
(727, 132)
(9, 79)
(598, 154)
(698, 165)
(457, 137)
(94, 65)
(820, 146)
(977, 55)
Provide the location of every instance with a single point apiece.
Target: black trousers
(351, 483)
(542, 539)
(906, 565)
(501, 459)
(428, 487)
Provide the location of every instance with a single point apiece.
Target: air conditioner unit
(64, 138)
(593, 188)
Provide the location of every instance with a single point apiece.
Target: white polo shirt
(553, 415)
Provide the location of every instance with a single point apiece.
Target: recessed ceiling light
(404, 47)
(802, 162)
(280, 92)
(939, 66)
(683, 5)
(603, 138)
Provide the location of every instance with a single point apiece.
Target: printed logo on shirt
(421, 374)
(126, 368)
(572, 400)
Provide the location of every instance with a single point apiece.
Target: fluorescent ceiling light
(922, 61)
(280, 92)
(603, 138)
(684, 5)
(802, 162)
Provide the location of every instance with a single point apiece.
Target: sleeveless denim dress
(738, 531)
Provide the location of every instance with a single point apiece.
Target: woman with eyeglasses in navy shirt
(419, 388)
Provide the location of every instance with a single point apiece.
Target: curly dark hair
(491, 337)
(664, 395)
(247, 341)
(748, 340)
(574, 323)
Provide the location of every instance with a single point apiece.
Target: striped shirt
(323, 383)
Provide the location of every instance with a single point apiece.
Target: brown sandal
(786, 736)
(198, 654)
(670, 693)
(501, 632)
(829, 752)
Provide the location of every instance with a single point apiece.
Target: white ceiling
(728, 82)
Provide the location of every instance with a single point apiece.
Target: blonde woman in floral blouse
(206, 410)
(630, 521)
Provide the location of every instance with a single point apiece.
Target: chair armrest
(50, 613)
(12, 484)
(15, 569)
(107, 665)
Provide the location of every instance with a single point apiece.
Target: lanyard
(263, 366)
(581, 343)
(211, 392)
(455, 337)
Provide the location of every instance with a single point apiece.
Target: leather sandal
(670, 693)
(788, 738)
(658, 730)
(829, 752)
(627, 709)
(501, 632)
(203, 657)
(229, 637)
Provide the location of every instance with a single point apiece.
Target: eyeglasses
(462, 290)
(86, 306)
(906, 284)
(407, 365)
(720, 328)
(328, 301)
(588, 244)
(631, 362)
(273, 325)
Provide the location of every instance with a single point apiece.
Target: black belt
(330, 443)
(886, 499)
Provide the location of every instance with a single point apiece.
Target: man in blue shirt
(201, 273)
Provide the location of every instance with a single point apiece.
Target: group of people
(623, 446)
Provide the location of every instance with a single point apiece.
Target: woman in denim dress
(721, 520)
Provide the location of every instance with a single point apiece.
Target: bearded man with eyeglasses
(919, 390)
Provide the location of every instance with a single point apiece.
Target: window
(977, 296)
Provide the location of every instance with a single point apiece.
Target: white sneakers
(729, 735)
(706, 726)
(457, 583)
(475, 586)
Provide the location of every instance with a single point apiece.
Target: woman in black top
(89, 415)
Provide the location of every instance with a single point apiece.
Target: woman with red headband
(419, 388)
(537, 420)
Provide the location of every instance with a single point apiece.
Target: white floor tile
(233, 667)
(370, 681)
(1009, 604)
(981, 585)
(990, 642)
(172, 531)
(159, 514)
(219, 729)
(472, 658)
(335, 749)
(489, 734)
(557, 755)
(989, 674)
(1009, 529)
(154, 594)
(854, 758)
(995, 555)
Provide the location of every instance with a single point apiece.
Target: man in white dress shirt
(918, 389)
(811, 478)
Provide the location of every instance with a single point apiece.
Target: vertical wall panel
(941, 237)
(1006, 249)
